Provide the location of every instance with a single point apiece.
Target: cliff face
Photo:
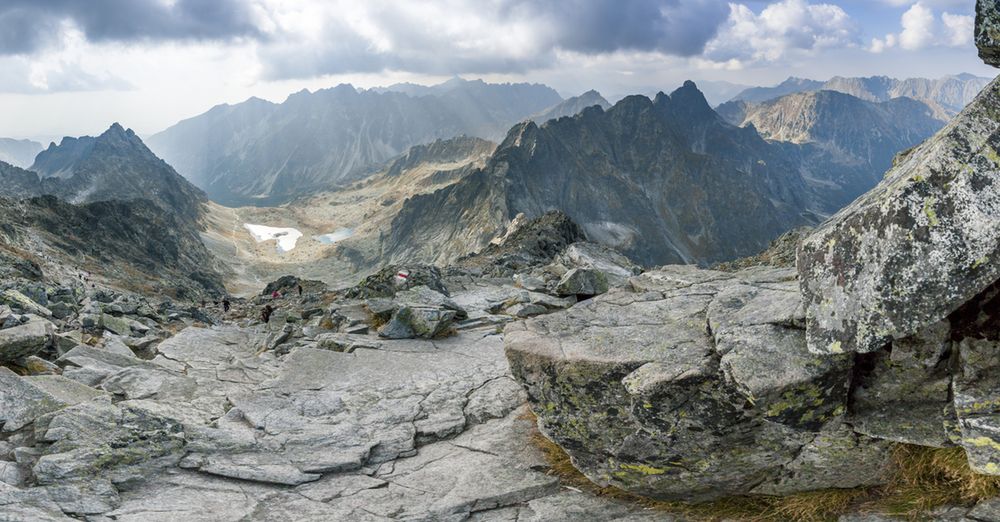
(846, 143)
(664, 180)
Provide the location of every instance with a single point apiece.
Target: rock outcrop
(693, 385)
(688, 384)
(988, 31)
(916, 247)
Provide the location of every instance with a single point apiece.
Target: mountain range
(20, 153)
(945, 96)
(664, 180)
(262, 153)
(670, 180)
(572, 106)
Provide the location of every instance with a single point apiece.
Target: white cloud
(930, 3)
(881, 44)
(782, 28)
(921, 28)
(958, 29)
(918, 27)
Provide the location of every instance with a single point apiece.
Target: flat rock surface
(215, 430)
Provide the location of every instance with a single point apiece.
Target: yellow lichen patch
(643, 468)
(836, 347)
(991, 154)
(982, 442)
(980, 262)
(929, 211)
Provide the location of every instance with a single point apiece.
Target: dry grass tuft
(919, 480)
(815, 506)
(923, 478)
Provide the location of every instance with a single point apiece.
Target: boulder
(413, 322)
(117, 325)
(694, 385)
(25, 399)
(988, 31)
(583, 282)
(24, 340)
(19, 301)
(616, 267)
(915, 248)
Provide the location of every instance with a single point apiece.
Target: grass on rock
(919, 480)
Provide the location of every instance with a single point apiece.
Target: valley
(488, 302)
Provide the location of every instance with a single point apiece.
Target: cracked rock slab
(692, 385)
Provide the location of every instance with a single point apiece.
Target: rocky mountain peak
(116, 165)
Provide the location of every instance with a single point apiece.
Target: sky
(72, 67)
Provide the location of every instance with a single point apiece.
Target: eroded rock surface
(693, 385)
(914, 249)
(312, 416)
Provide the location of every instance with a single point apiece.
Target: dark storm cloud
(674, 27)
(677, 27)
(28, 25)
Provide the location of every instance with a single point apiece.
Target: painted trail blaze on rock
(915, 248)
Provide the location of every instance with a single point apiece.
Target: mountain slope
(572, 106)
(341, 229)
(113, 166)
(862, 131)
(136, 244)
(19, 153)
(261, 153)
(664, 180)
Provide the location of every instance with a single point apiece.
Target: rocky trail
(392, 400)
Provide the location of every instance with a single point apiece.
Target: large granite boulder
(988, 31)
(914, 249)
(693, 385)
(24, 340)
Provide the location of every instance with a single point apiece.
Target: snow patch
(286, 237)
(335, 236)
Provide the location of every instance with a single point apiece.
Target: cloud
(21, 76)
(921, 28)
(958, 29)
(503, 36)
(931, 3)
(27, 26)
(781, 29)
(918, 27)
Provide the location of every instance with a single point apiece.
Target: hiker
(275, 295)
(300, 289)
(225, 304)
(265, 314)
